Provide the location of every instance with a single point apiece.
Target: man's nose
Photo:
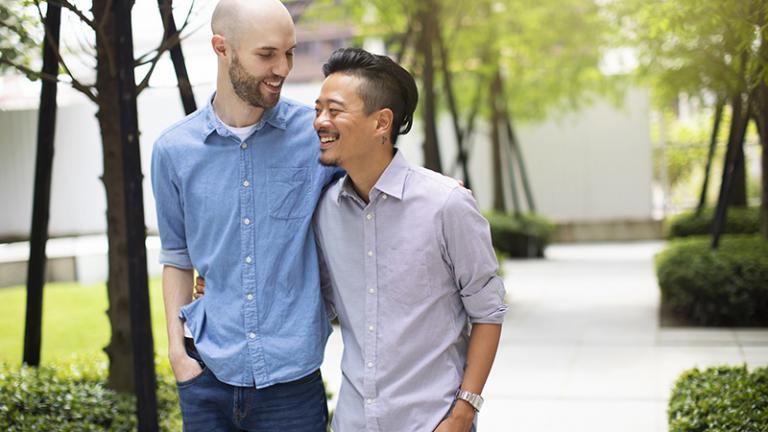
(320, 120)
(283, 67)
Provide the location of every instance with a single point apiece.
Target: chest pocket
(288, 192)
(405, 277)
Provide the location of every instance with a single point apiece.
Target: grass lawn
(74, 321)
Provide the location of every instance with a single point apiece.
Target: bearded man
(235, 185)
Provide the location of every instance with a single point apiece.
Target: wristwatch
(473, 399)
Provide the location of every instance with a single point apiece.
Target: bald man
(236, 184)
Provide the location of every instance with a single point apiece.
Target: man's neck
(234, 111)
(365, 174)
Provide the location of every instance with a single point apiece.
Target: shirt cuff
(178, 258)
(487, 305)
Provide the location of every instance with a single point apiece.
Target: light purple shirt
(405, 274)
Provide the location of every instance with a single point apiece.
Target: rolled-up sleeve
(468, 250)
(170, 210)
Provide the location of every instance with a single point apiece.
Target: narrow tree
(104, 92)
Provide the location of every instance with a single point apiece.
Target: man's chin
(270, 100)
(328, 161)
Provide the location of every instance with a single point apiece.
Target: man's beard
(246, 86)
(328, 162)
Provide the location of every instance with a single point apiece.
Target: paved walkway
(582, 350)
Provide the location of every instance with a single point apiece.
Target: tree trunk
(739, 120)
(711, 154)
(761, 121)
(431, 147)
(498, 181)
(739, 194)
(448, 87)
(119, 350)
(177, 57)
(517, 154)
(764, 166)
(46, 127)
(733, 159)
(760, 113)
(763, 127)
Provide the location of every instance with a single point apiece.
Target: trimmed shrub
(720, 399)
(523, 236)
(738, 221)
(728, 286)
(74, 397)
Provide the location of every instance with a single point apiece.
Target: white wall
(78, 202)
(593, 165)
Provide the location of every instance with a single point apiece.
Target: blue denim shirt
(240, 213)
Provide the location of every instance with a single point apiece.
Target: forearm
(483, 343)
(177, 292)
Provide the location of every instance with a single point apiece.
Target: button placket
(371, 302)
(249, 265)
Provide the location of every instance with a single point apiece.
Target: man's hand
(185, 368)
(199, 288)
(460, 419)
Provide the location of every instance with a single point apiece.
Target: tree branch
(169, 41)
(82, 88)
(72, 8)
(73, 81)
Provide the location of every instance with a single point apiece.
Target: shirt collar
(275, 116)
(391, 181)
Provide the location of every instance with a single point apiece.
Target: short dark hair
(385, 85)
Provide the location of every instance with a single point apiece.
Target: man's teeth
(327, 139)
(273, 84)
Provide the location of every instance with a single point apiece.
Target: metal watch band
(473, 399)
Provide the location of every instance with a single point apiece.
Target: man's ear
(219, 44)
(384, 121)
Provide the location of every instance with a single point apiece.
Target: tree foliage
(549, 50)
(709, 49)
(20, 33)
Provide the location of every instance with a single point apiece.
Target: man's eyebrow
(336, 101)
(271, 48)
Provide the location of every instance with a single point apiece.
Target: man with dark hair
(406, 262)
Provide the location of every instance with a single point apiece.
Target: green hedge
(720, 399)
(74, 397)
(738, 221)
(728, 286)
(523, 236)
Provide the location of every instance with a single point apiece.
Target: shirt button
(369, 401)
(384, 197)
(249, 297)
(247, 221)
(370, 364)
(246, 183)
(248, 259)
(371, 290)
(369, 216)
(244, 146)
(370, 253)
(370, 328)
(252, 335)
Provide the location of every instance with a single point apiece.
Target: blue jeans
(209, 405)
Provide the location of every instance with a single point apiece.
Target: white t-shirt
(240, 132)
